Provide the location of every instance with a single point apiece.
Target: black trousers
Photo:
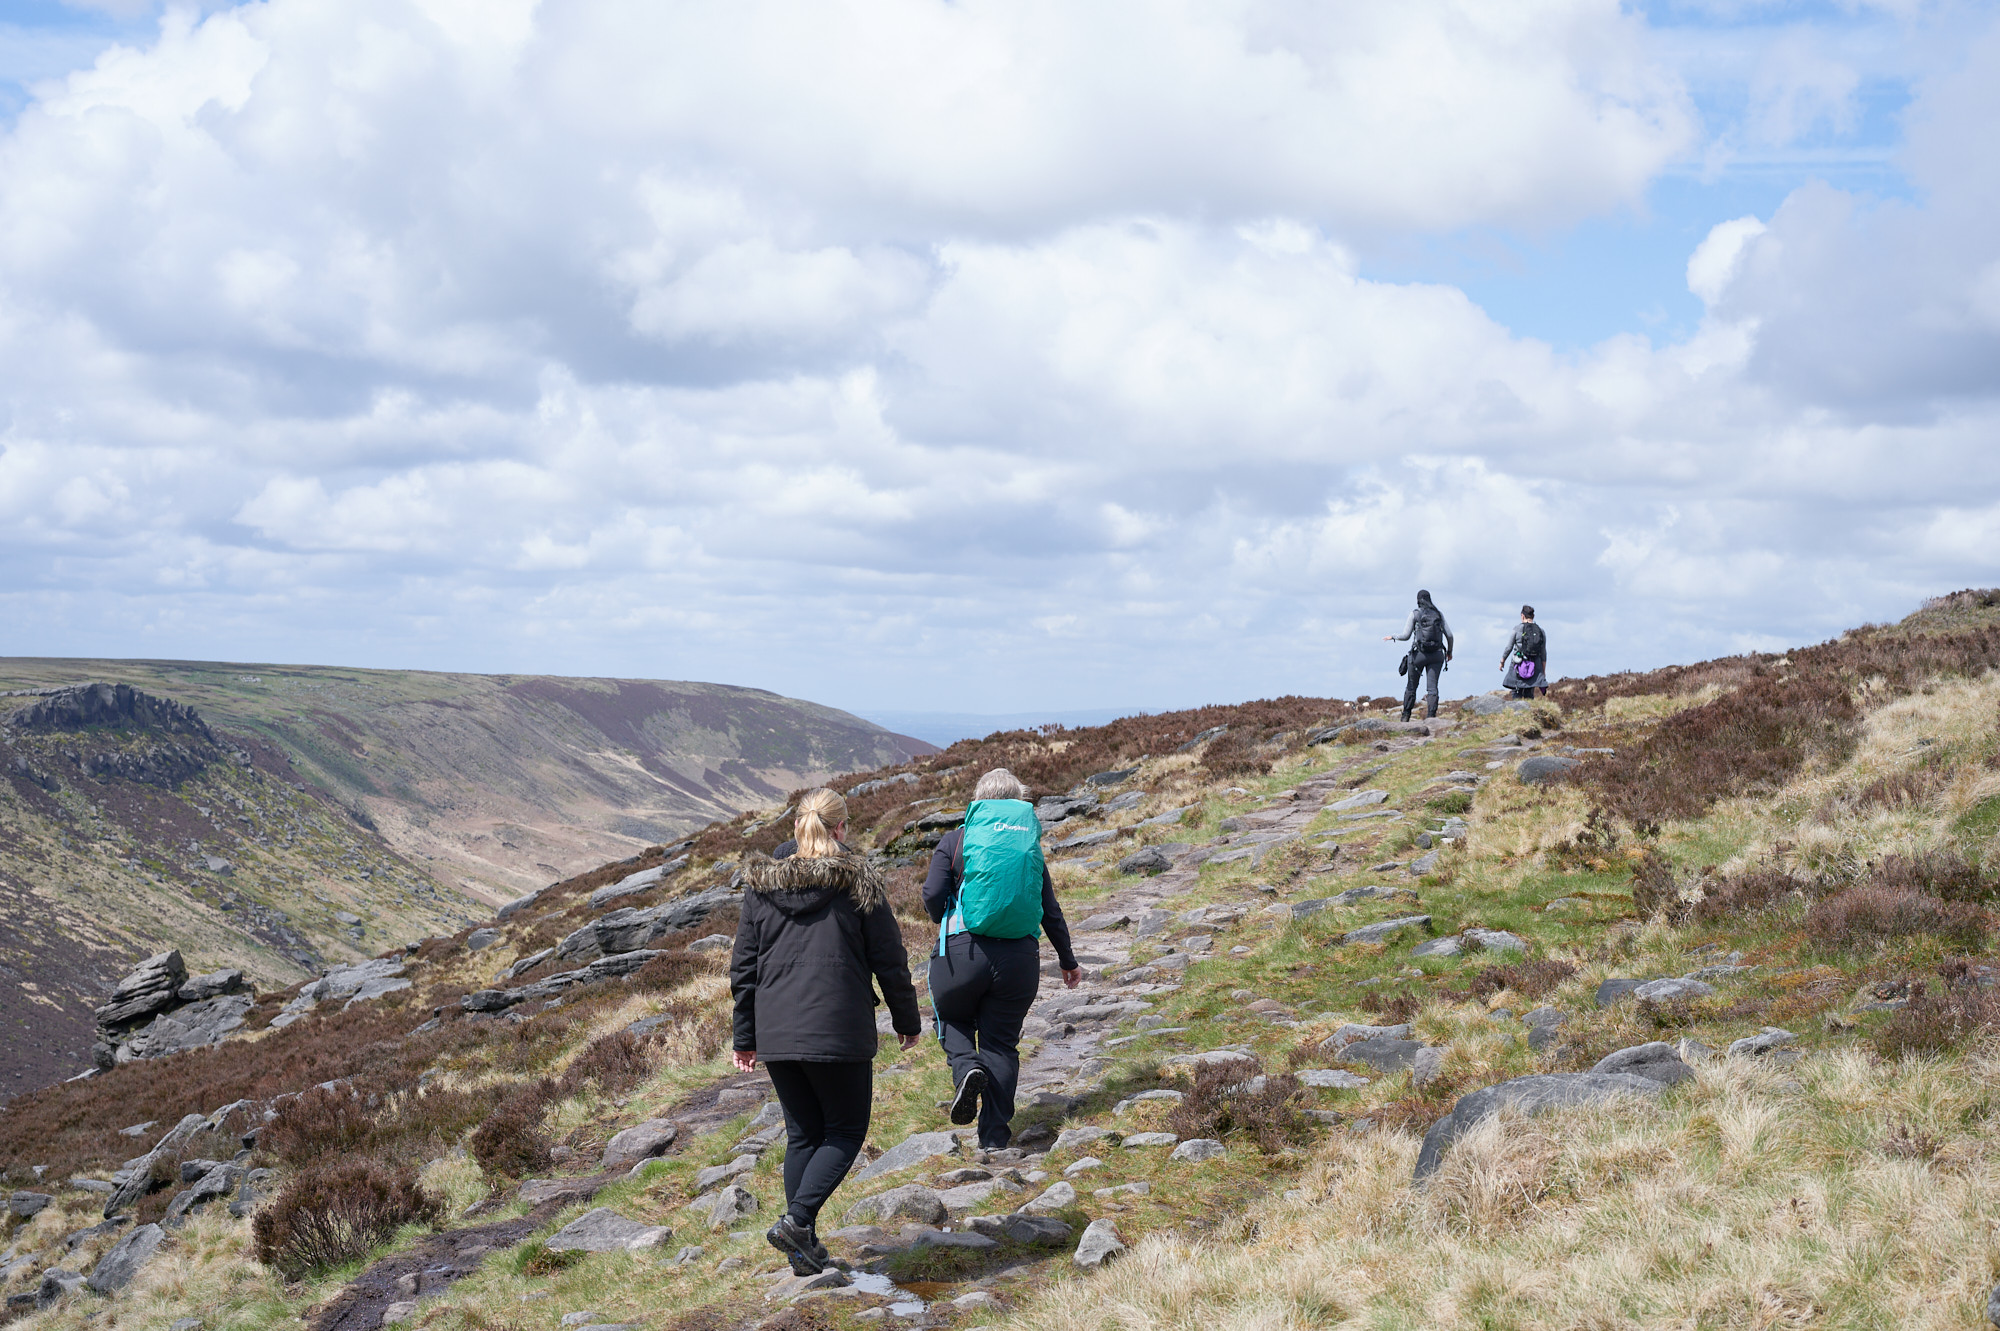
(1420, 663)
(826, 1120)
(981, 990)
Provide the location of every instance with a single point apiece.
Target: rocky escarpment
(116, 731)
(160, 1009)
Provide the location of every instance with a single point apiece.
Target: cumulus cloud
(890, 351)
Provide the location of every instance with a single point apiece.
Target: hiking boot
(799, 1246)
(1406, 713)
(965, 1105)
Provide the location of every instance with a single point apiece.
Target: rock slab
(604, 1230)
(1533, 1094)
(114, 1271)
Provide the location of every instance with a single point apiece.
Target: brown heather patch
(1861, 917)
(1051, 760)
(1221, 1105)
(338, 1211)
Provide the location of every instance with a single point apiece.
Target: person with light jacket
(815, 937)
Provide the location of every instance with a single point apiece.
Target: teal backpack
(999, 872)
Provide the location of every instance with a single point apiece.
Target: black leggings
(826, 1120)
(981, 990)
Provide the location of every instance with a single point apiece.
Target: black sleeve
(891, 966)
(1053, 923)
(941, 884)
(743, 975)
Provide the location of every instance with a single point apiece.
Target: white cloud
(898, 351)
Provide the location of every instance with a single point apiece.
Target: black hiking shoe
(965, 1105)
(798, 1245)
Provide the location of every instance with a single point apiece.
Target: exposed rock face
(348, 985)
(116, 1268)
(158, 1009)
(154, 758)
(629, 930)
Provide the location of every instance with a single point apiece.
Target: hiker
(1524, 666)
(1430, 650)
(989, 890)
(814, 928)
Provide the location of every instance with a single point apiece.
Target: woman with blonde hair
(815, 928)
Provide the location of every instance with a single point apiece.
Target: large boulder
(195, 1026)
(1531, 1095)
(604, 1230)
(1544, 769)
(114, 1271)
(152, 987)
(1384, 1055)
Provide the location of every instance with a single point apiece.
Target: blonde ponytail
(819, 813)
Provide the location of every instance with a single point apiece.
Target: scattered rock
(1657, 1060)
(1611, 991)
(1152, 859)
(402, 1310)
(1361, 800)
(1331, 1079)
(725, 1206)
(1071, 1138)
(1661, 991)
(707, 1178)
(1198, 1149)
(218, 1182)
(27, 1205)
(1425, 1067)
(642, 1141)
(1103, 920)
(1099, 1244)
(1352, 1032)
(604, 1230)
(912, 1150)
(1111, 778)
(1755, 1046)
(1497, 940)
(1055, 1198)
(1544, 769)
(1375, 933)
(912, 1201)
(114, 1271)
(1532, 1094)
(481, 939)
(1450, 946)
(1383, 1055)
(1139, 1140)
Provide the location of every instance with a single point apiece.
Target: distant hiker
(814, 928)
(1524, 666)
(990, 892)
(1430, 650)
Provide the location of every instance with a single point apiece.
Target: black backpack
(1429, 630)
(1533, 641)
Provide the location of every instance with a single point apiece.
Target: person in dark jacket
(1529, 644)
(814, 929)
(982, 988)
(1430, 650)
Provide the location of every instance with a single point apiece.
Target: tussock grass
(1751, 1197)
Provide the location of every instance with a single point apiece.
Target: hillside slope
(306, 816)
(1738, 917)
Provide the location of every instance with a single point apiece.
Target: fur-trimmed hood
(797, 885)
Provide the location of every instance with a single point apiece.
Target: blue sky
(1064, 355)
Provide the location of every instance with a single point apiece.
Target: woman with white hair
(815, 930)
(990, 892)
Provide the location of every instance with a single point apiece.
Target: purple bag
(1526, 670)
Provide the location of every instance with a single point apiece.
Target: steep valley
(280, 819)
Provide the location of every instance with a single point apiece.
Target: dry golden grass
(1753, 1197)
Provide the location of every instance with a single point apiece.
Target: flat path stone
(912, 1150)
(1375, 933)
(604, 1230)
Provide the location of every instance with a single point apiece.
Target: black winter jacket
(810, 936)
(941, 893)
